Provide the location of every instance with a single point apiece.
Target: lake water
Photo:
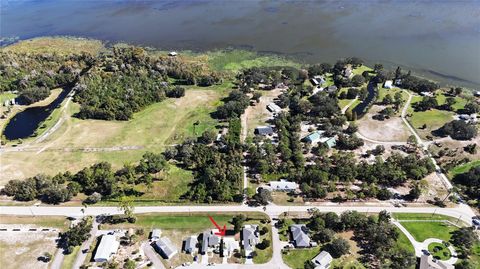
(25, 123)
(438, 39)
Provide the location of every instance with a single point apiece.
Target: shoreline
(443, 79)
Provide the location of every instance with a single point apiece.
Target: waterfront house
(388, 84)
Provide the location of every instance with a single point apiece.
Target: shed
(190, 244)
(274, 108)
(156, 234)
(322, 260)
(388, 84)
(165, 247)
(331, 142)
(264, 130)
(108, 246)
(314, 137)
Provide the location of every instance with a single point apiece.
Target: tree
(129, 264)
(263, 196)
(377, 67)
(76, 235)
(449, 102)
(151, 163)
(458, 130)
(47, 256)
(387, 100)
(238, 222)
(126, 205)
(338, 247)
(464, 238)
(471, 108)
(358, 80)
(309, 265)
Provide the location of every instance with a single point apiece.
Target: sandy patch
(392, 129)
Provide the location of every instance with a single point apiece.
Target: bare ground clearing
(388, 130)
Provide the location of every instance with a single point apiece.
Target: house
(429, 94)
(477, 93)
(314, 82)
(314, 137)
(229, 246)
(156, 234)
(330, 142)
(317, 81)
(427, 262)
(322, 260)
(300, 235)
(283, 185)
(250, 238)
(348, 72)
(263, 130)
(172, 53)
(274, 108)
(332, 89)
(398, 82)
(190, 244)
(210, 241)
(165, 247)
(464, 117)
(108, 246)
(388, 84)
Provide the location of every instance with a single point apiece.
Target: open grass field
(459, 101)
(296, 258)
(424, 230)
(21, 250)
(152, 129)
(39, 221)
(62, 45)
(4, 96)
(421, 216)
(361, 69)
(433, 118)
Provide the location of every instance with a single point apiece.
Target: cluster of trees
(99, 181)
(234, 105)
(469, 184)
(458, 129)
(217, 167)
(76, 235)
(319, 179)
(34, 74)
(376, 236)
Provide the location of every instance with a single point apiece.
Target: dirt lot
(21, 249)
(388, 130)
(258, 114)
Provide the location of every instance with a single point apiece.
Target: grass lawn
(296, 258)
(424, 230)
(194, 222)
(41, 221)
(439, 251)
(433, 119)
(421, 216)
(264, 255)
(463, 168)
(70, 258)
(361, 69)
(404, 243)
(475, 257)
(459, 101)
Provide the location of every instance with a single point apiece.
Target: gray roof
(322, 260)
(209, 240)
(190, 243)
(250, 237)
(264, 130)
(156, 233)
(166, 247)
(300, 235)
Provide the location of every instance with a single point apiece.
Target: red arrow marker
(221, 231)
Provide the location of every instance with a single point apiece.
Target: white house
(274, 108)
(388, 84)
(172, 53)
(108, 246)
(283, 185)
(165, 247)
(322, 260)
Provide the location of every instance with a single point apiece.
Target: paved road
(345, 108)
(462, 211)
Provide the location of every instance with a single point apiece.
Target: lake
(436, 39)
(26, 122)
